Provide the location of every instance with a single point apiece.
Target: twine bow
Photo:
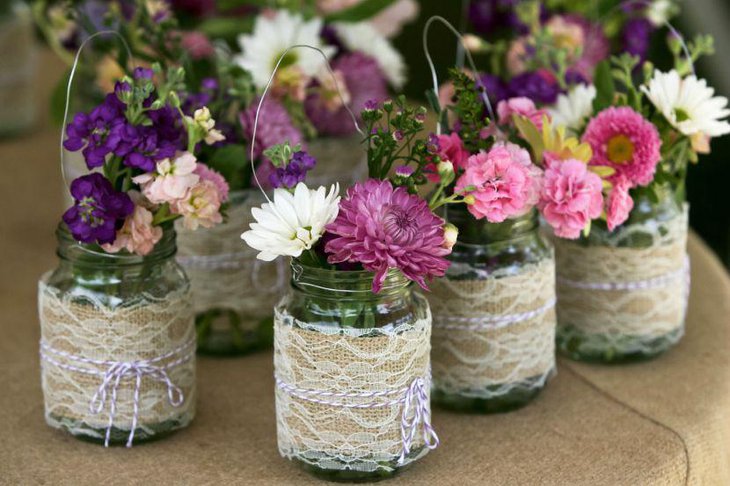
(114, 375)
(416, 399)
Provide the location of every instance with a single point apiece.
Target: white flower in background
(659, 11)
(365, 38)
(272, 36)
(571, 110)
(292, 223)
(688, 104)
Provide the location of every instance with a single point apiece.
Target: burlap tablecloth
(662, 422)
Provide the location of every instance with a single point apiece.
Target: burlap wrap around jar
(117, 344)
(233, 292)
(623, 295)
(352, 401)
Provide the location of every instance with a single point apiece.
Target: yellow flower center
(620, 149)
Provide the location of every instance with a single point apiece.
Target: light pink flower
(504, 185)
(517, 55)
(571, 197)
(171, 180)
(618, 204)
(197, 45)
(137, 235)
(207, 174)
(621, 138)
(520, 106)
(451, 148)
(390, 20)
(200, 207)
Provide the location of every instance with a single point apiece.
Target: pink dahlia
(571, 197)
(363, 81)
(503, 182)
(623, 139)
(207, 174)
(520, 106)
(451, 148)
(618, 204)
(382, 228)
(275, 126)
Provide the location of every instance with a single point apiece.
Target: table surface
(661, 422)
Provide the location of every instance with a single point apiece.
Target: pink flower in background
(621, 138)
(171, 180)
(595, 46)
(520, 106)
(334, 6)
(197, 45)
(207, 174)
(504, 186)
(451, 148)
(517, 56)
(275, 126)
(137, 235)
(571, 196)
(390, 20)
(200, 207)
(618, 204)
(382, 228)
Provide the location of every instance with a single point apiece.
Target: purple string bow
(416, 412)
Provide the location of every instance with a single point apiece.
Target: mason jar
(493, 315)
(622, 295)
(233, 292)
(117, 342)
(352, 374)
(17, 68)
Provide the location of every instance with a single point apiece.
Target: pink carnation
(618, 204)
(571, 197)
(623, 139)
(200, 207)
(519, 106)
(207, 174)
(451, 148)
(506, 183)
(137, 235)
(382, 228)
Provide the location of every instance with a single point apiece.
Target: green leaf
(605, 87)
(359, 12)
(231, 161)
(227, 28)
(531, 135)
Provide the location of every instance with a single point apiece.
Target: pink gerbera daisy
(623, 139)
(381, 228)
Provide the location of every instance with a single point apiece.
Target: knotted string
(414, 399)
(115, 372)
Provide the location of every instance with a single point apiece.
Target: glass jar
(234, 293)
(622, 295)
(494, 319)
(345, 360)
(17, 68)
(117, 342)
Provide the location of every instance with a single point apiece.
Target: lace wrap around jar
(233, 292)
(352, 374)
(494, 317)
(622, 295)
(117, 343)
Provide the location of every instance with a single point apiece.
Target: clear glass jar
(234, 292)
(625, 323)
(338, 345)
(494, 319)
(17, 68)
(109, 318)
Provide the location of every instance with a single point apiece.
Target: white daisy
(272, 36)
(365, 38)
(688, 104)
(292, 223)
(571, 110)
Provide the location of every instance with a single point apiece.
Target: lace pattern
(623, 297)
(493, 335)
(341, 394)
(82, 338)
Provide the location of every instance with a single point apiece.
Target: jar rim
(354, 281)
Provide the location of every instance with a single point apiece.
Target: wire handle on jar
(69, 85)
(266, 91)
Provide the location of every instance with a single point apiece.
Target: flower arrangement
(144, 146)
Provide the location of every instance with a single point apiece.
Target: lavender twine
(115, 372)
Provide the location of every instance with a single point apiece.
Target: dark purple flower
(98, 132)
(535, 86)
(196, 8)
(143, 73)
(371, 105)
(636, 36)
(98, 210)
(295, 171)
(496, 88)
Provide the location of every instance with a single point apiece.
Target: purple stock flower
(98, 209)
(496, 88)
(98, 132)
(535, 86)
(636, 36)
(295, 171)
(143, 73)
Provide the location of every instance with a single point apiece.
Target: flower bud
(451, 233)
(469, 199)
(446, 171)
